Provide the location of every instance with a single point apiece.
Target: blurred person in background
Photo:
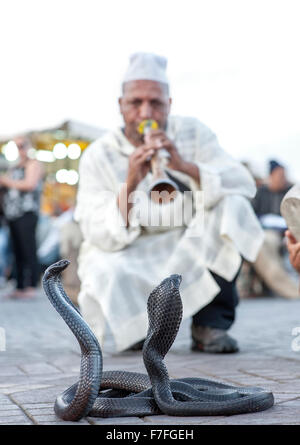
(6, 259)
(269, 264)
(120, 264)
(269, 196)
(21, 204)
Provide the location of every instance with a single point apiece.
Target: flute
(164, 187)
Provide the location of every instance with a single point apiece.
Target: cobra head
(56, 269)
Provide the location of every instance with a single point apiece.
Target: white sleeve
(97, 211)
(220, 174)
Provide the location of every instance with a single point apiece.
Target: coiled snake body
(122, 393)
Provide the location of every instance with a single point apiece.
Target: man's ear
(170, 103)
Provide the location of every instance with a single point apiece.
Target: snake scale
(122, 393)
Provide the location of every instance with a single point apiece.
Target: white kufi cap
(146, 66)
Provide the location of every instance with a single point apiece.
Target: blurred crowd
(271, 273)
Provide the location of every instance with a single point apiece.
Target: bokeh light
(60, 150)
(10, 151)
(74, 151)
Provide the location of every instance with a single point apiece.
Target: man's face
(143, 99)
(278, 178)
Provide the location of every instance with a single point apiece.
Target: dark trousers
(220, 312)
(23, 239)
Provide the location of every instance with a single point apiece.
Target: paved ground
(42, 358)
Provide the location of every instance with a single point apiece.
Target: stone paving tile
(8, 407)
(68, 362)
(284, 397)
(15, 357)
(171, 420)
(38, 418)
(43, 395)
(37, 405)
(6, 371)
(11, 389)
(272, 373)
(4, 400)
(115, 421)
(18, 419)
(39, 368)
(277, 415)
(280, 378)
(293, 403)
(18, 384)
(16, 422)
(11, 412)
(41, 413)
(40, 410)
(287, 388)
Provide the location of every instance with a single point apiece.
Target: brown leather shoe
(207, 339)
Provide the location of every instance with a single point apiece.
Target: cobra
(123, 393)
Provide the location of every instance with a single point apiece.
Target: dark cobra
(122, 393)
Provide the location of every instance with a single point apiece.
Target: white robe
(119, 266)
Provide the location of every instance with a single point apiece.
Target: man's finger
(146, 157)
(294, 250)
(297, 255)
(140, 151)
(290, 237)
(295, 259)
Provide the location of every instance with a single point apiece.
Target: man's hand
(176, 162)
(159, 139)
(139, 164)
(293, 247)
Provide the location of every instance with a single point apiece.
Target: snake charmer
(124, 254)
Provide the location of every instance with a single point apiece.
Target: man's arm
(191, 169)
(97, 212)
(138, 167)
